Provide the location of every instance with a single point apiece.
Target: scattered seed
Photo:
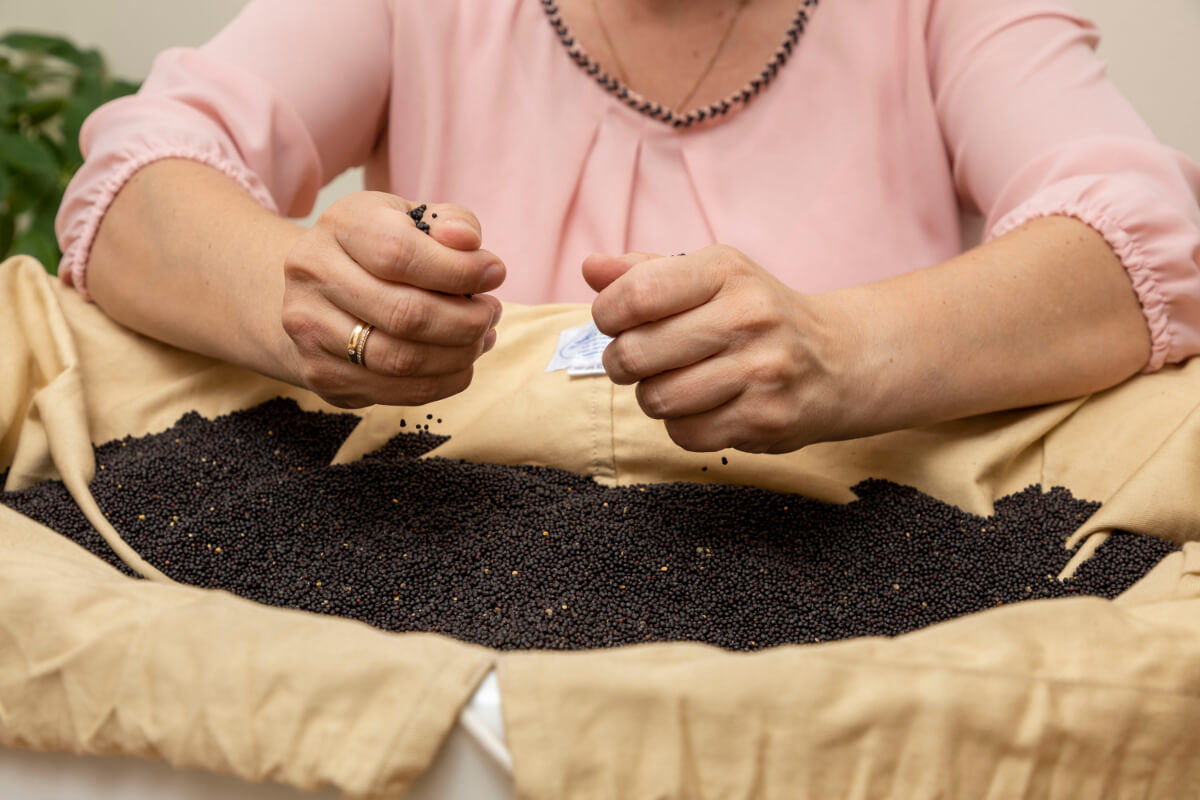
(753, 568)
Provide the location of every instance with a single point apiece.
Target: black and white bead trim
(657, 110)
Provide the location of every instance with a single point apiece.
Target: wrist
(277, 355)
(835, 343)
(871, 366)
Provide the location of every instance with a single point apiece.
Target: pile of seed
(532, 557)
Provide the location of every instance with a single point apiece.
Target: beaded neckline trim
(660, 112)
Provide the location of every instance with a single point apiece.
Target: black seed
(249, 503)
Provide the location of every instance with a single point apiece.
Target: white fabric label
(579, 351)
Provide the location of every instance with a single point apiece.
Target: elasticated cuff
(1127, 248)
(81, 232)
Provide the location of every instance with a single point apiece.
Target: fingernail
(454, 222)
(489, 340)
(493, 275)
(499, 312)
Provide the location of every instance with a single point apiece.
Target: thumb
(599, 270)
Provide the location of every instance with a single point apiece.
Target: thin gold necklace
(681, 105)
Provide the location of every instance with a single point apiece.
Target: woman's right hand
(365, 261)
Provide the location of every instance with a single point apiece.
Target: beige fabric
(94, 662)
(1078, 698)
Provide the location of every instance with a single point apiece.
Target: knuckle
(345, 206)
(768, 420)
(641, 299)
(604, 315)
(461, 273)
(692, 437)
(478, 326)
(463, 357)
(399, 251)
(302, 328)
(459, 381)
(406, 359)
(343, 223)
(654, 400)
(338, 211)
(424, 390)
(320, 376)
(769, 371)
(409, 314)
(372, 239)
(614, 371)
(730, 257)
(628, 357)
(299, 266)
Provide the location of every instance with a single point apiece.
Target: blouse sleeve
(1034, 129)
(287, 96)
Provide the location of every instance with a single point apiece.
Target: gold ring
(356, 337)
(361, 351)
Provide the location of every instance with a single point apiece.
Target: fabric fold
(1033, 699)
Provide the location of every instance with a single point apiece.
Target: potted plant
(48, 86)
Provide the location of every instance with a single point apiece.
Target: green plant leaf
(7, 229)
(90, 89)
(44, 213)
(55, 46)
(73, 116)
(36, 113)
(27, 193)
(119, 88)
(39, 138)
(28, 155)
(12, 94)
(35, 243)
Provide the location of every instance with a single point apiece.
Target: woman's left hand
(722, 351)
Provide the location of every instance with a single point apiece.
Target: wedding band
(361, 350)
(358, 341)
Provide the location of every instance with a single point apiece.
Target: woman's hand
(720, 350)
(366, 261)
(730, 357)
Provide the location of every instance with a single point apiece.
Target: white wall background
(1152, 46)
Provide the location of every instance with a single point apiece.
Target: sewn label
(579, 351)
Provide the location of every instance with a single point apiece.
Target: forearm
(185, 256)
(1042, 314)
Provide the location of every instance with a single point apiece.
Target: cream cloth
(1074, 698)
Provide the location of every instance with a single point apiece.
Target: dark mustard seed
(520, 557)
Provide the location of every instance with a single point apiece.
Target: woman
(822, 294)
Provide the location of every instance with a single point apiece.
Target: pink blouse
(849, 167)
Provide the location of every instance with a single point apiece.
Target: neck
(669, 10)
